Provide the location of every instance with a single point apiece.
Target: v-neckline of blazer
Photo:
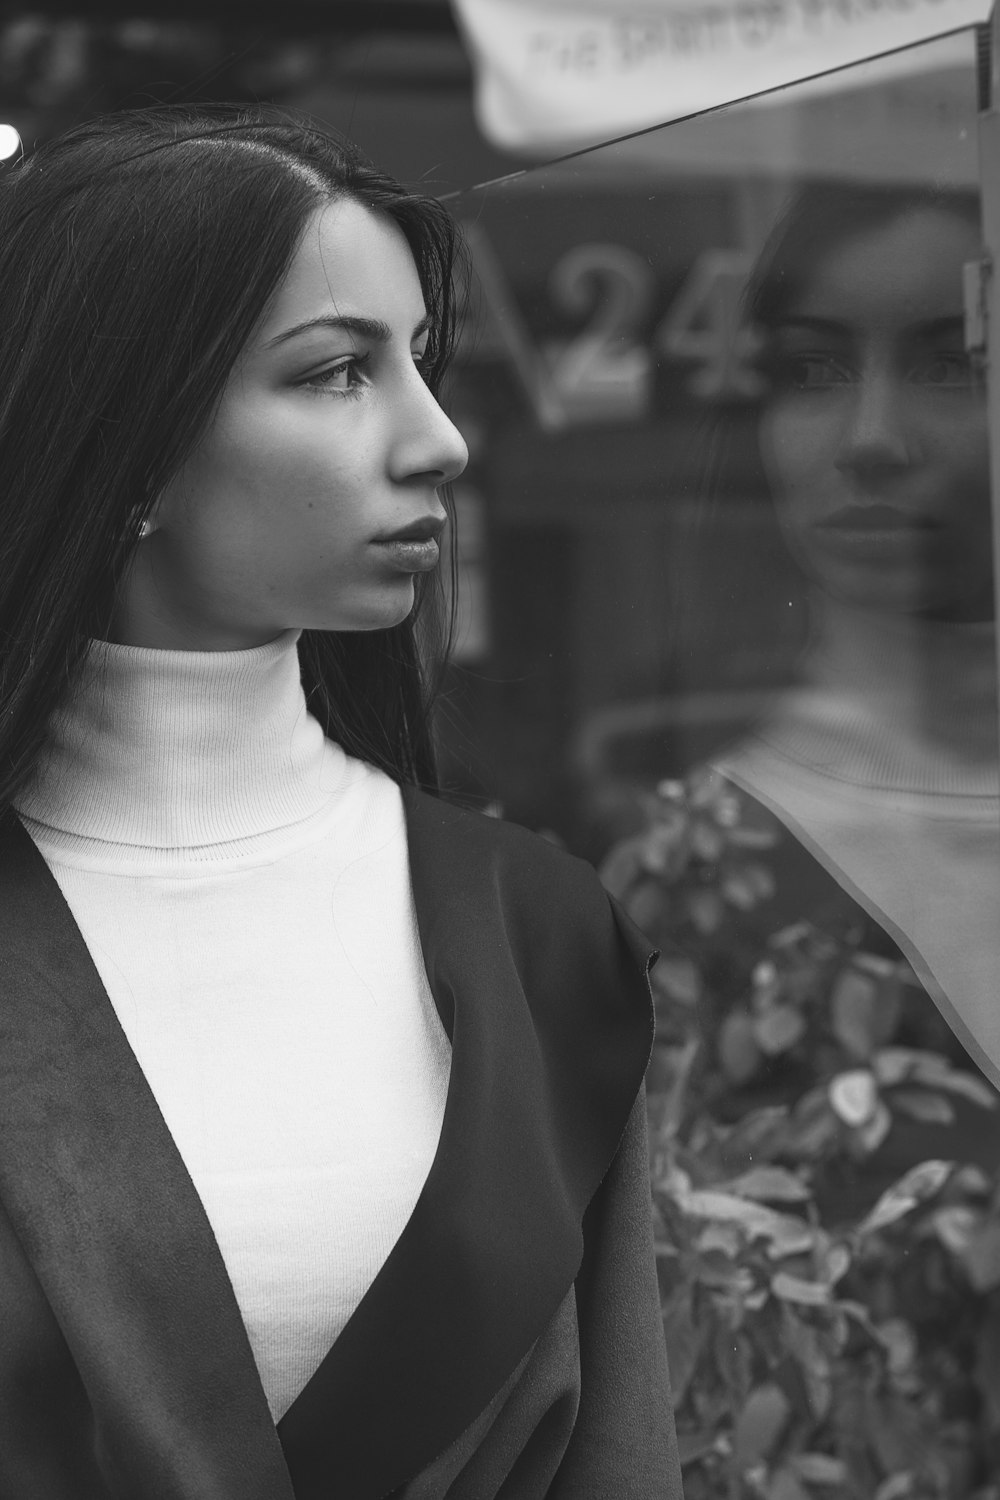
(549, 1042)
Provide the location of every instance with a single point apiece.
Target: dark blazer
(510, 1347)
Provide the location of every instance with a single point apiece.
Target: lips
(413, 548)
(425, 529)
(875, 518)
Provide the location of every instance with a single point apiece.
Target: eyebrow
(366, 328)
(932, 328)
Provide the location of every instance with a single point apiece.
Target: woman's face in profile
(311, 502)
(875, 437)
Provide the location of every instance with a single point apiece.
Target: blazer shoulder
(526, 871)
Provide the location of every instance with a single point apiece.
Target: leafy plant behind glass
(830, 1333)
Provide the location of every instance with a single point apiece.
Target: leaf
(804, 1344)
(854, 1096)
(738, 1052)
(796, 1289)
(896, 1487)
(784, 1485)
(900, 1343)
(894, 1433)
(819, 1468)
(904, 1064)
(684, 1343)
(707, 841)
(981, 1257)
(661, 850)
(882, 968)
(706, 911)
(740, 890)
(854, 1005)
(971, 1179)
(722, 1237)
(956, 1081)
(788, 937)
(923, 1105)
(732, 1360)
(788, 1235)
(838, 1263)
(894, 1065)
(677, 978)
(914, 1187)
(706, 1203)
(988, 1366)
(769, 1185)
(778, 1029)
(875, 1130)
(760, 1425)
(954, 1227)
(752, 838)
(694, 1445)
(926, 1178)
(647, 906)
(755, 1133)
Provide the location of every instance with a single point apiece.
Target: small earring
(146, 529)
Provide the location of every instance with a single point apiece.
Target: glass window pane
(734, 640)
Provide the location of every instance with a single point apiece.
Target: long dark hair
(137, 253)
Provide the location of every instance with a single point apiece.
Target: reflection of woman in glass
(874, 442)
(322, 1148)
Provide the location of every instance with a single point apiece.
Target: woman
(874, 441)
(322, 1161)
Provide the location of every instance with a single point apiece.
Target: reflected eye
(810, 370)
(951, 369)
(345, 377)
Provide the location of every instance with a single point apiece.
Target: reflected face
(312, 500)
(875, 439)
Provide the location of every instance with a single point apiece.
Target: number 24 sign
(604, 372)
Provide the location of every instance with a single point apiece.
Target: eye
(947, 369)
(810, 370)
(344, 377)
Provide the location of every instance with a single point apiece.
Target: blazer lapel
(541, 986)
(550, 1039)
(111, 1222)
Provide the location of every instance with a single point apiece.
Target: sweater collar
(183, 749)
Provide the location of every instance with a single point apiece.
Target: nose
(876, 437)
(428, 446)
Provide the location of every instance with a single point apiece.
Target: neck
(895, 701)
(181, 749)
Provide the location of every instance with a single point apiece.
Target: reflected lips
(414, 548)
(875, 518)
(860, 531)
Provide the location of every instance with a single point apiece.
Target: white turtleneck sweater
(885, 764)
(243, 887)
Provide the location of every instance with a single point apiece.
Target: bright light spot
(10, 142)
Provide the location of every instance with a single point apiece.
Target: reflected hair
(137, 254)
(822, 216)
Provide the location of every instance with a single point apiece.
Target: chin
(382, 616)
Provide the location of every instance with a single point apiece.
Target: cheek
(259, 476)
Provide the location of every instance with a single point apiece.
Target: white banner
(556, 75)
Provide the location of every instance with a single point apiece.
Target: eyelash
(353, 365)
